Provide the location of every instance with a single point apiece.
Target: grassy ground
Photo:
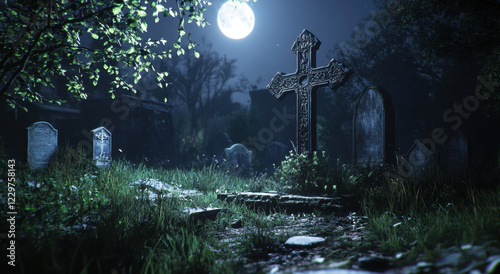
(420, 216)
(75, 218)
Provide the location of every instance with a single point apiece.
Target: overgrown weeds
(421, 215)
(74, 217)
(309, 174)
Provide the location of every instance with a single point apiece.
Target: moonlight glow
(235, 21)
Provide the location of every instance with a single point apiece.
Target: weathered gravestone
(421, 159)
(303, 81)
(239, 159)
(101, 146)
(455, 153)
(142, 129)
(42, 144)
(275, 153)
(373, 128)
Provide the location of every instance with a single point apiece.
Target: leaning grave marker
(373, 128)
(303, 81)
(42, 144)
(422, 160)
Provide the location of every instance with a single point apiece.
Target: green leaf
(116, 10)
(144, 26)
(172, 13)
(196, 54)
(160, 8)
(142, 13)
(95, 36)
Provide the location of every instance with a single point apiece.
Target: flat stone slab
(201, 213)
(291, 204)
(153, 189)
(304, 241)
(154, 184)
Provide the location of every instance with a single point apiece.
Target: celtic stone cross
(303, 81)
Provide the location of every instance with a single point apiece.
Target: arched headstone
(239, 159)
(373, 128)
(42, 144)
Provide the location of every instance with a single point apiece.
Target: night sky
(267, 49)
(426, 79)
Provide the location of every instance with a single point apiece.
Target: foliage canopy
(48, 41)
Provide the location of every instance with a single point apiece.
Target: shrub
(70, 164)
(309, 174)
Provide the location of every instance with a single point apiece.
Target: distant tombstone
(373, 128)
(455, 153)
(101, 146)
(42, 144)
(239, 159)
(421, 159)
(275, 153)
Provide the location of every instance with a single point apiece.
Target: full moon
(235, 21)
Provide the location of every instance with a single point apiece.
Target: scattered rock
(304, 241)
(236, 224)
(423, 267)
(201, 213)
(319, 260)
(449, 260)
(342, 264)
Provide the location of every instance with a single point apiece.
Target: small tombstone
(421, 159)
(455, 154)
(373, 128)
(275, 153)
(42, 144)
(101, 146)
(239, 159)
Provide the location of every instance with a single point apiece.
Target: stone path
(343, 243)
(347, 248)
(293, 204)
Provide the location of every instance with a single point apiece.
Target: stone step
(293, 204)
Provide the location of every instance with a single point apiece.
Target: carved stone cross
(101, 136)
(303, 81)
